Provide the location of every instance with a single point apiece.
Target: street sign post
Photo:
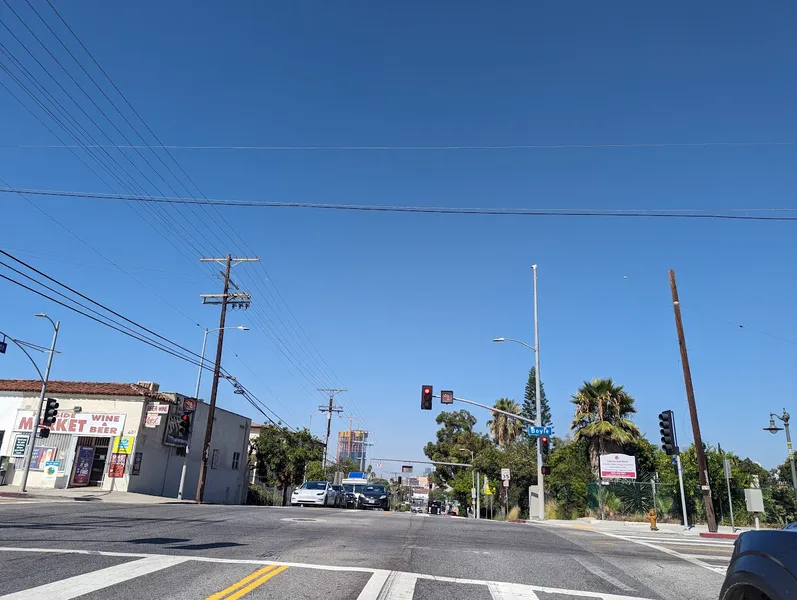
(505, 475)
(538, 430)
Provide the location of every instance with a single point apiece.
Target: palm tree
(603, 416)
(504, 428)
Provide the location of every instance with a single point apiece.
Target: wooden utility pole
(711, 518)
(329, 410)
(234, 300)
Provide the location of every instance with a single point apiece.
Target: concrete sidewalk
(635, 527)
(11, 493)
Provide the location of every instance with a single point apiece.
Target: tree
(529, 409)
(282, 455)
(455, 440)
(603, 416)
(503, 428)
(568, 483)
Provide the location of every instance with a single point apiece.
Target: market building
(123, 437)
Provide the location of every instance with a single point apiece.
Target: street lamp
(196, 395)
(202, 355)
(538, 416)
(773, 429)
(29, 453)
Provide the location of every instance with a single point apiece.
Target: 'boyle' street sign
(535, 430)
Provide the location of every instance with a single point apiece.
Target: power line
(417, 148)
(528, 212)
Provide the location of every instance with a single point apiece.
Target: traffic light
(545, 443)
(399, 480)
(184, 426)
(44, 432)
(426, 397)
(667, 427)
(430, 485)
(545, 470)
(50, 411)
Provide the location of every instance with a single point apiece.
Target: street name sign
(536, 430)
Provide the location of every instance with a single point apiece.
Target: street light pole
(537, 393)
(29, 454)
(774, 429)
(196, 395)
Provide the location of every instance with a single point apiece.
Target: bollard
(652, 519)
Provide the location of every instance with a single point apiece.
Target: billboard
(617, 466)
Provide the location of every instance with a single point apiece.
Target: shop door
(100, 445)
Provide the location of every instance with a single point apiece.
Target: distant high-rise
(353, 447)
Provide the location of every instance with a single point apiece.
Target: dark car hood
(372, 494)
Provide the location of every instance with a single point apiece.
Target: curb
(722, 536)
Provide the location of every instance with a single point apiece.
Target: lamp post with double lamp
(537, 393)
(196, 395)
(29, 453)
(773, 429)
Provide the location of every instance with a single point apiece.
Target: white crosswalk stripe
(381, 585)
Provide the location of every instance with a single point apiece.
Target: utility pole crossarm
(331, 408)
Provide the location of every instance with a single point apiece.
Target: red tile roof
(88, 388)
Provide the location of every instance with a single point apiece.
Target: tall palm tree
(503, 428)
(603, 416)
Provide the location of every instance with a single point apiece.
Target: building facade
(123, 437)
(352, 444)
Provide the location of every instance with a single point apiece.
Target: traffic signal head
(50, 411)
(545, 470)
(44, 432)
(667, 428)
(426, 397)
(545, 443)
(399, 480)
(184, 425)
(430, 485)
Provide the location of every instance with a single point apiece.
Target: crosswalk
(182, 577)
(713, 554)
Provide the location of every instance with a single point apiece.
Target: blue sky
(393, 301)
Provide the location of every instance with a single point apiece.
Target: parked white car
(314, 493)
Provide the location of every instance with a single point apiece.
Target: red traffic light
(545, 470)
(545, 440)
(427, 390)
(185, 418)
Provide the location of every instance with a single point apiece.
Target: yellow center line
(241, 583)
(256, 583)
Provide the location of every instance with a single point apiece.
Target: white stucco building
(124, 437)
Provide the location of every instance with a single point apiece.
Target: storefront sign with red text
(85, 424)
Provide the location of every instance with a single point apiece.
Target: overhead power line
(445, 210)
(416, 148)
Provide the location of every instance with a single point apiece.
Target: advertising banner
(83, 461)
(618, 466)
(123, 445)
(85, 424)
(117, 466)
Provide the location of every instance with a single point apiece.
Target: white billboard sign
(617, 466)
(84, 424)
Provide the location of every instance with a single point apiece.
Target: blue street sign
(536, 430)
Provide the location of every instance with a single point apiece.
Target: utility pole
(711, 518)
(329, 410)
(537, 394)
(225, 299)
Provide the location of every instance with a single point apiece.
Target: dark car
(340, 501)
(763, 566)
(374, 496)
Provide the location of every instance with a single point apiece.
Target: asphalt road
(58, 551)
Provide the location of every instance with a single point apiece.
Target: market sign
(85, 424)
(618, 466)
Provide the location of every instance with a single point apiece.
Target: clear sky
(393, 301)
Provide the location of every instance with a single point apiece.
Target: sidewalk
(10, 492)
(632, 527)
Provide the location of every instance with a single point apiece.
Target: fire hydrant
(652, 519)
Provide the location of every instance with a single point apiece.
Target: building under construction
(353, 444)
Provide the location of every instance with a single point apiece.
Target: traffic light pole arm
(495, 410)
(30, 358)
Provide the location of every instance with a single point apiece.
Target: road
(59, 551)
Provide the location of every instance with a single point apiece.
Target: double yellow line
(247, 584)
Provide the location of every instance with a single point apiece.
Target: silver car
(314, 493)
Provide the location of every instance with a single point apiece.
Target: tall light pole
(537, 392)
(29, 453)
(196, 395)
(773, 429)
